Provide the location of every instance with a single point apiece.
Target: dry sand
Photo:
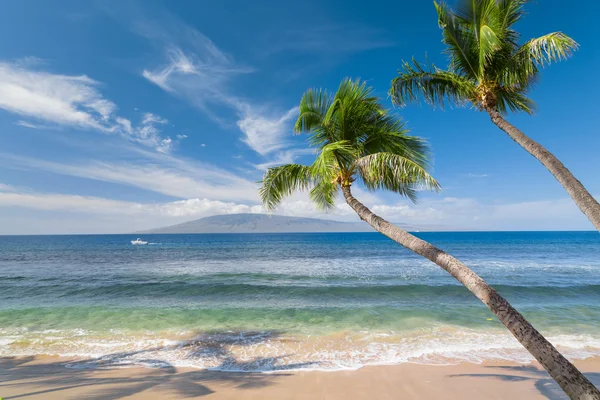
(47, 378)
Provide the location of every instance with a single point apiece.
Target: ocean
(271, 302)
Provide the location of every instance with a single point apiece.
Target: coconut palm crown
(488, 68)
(354, 139)
(491, 71)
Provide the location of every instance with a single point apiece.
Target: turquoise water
(283, 301)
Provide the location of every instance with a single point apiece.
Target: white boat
(138, 241)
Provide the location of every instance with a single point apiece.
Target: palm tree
(491, 71)
(356, 139)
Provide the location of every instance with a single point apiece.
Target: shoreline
(46, 377)
(273, 351)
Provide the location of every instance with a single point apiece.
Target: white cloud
(450, 213)
(205, 207)
(7, 188)
(165, 145)
(70, 101)
(150, 118)
(266, 134)
(146, 133)
(26, 124)
(445, 213)
(284, 157)
(162, 173)
(29, 125)
(64, 202)
(90, 204)
(468, 213)
(201, 76)
(125, 125)
(472, 175)
(202, 80)
(86, 214)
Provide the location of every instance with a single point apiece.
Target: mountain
(263, 223)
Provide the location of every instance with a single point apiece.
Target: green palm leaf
(282, 181)
(487, 66)
(324, 194)
(395, 173)
(433, 85)
(549, 48)
(355, 137)
(312, 110)
(332, 157)
(459, 45)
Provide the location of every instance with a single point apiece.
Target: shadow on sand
(544, 384)
(20, 375)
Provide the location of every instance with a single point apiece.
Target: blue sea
(268, 302)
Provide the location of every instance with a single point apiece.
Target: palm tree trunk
(584, 200)
(570, 379)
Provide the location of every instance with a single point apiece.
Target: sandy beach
(47, 378)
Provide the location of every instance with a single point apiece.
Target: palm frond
(282, 181)
(549, 48)
(312, 110)
(324, 194)
(357, 106)
(355, 92)
(313, 107)
(490, 42)
(389, 135)
(511, 11)
(433, 85)
(521, 68)
(479, 23)
(513, 100)
(333, 157)
(395, 173)
(347, 128)
(463, 58)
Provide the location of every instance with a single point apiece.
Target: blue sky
(117, 116)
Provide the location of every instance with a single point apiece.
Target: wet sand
(47, 378)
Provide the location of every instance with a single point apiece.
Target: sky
(119, 116)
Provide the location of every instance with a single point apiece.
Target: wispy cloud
(284, 157)
(150, 118)
(446, 213)
(73, 101)
(197, 70)
(7, 188)
(469, 213)
(472, 175)
(199, 77)
(265, 134)
(202, 81)
(182, 179)
(146, 132)
(30, 125)
(97, 205)
(68, 100)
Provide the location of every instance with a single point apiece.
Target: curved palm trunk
(584, 200)
(570, 379)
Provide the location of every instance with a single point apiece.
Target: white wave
(269, 352)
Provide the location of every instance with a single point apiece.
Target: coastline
(45, 377)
